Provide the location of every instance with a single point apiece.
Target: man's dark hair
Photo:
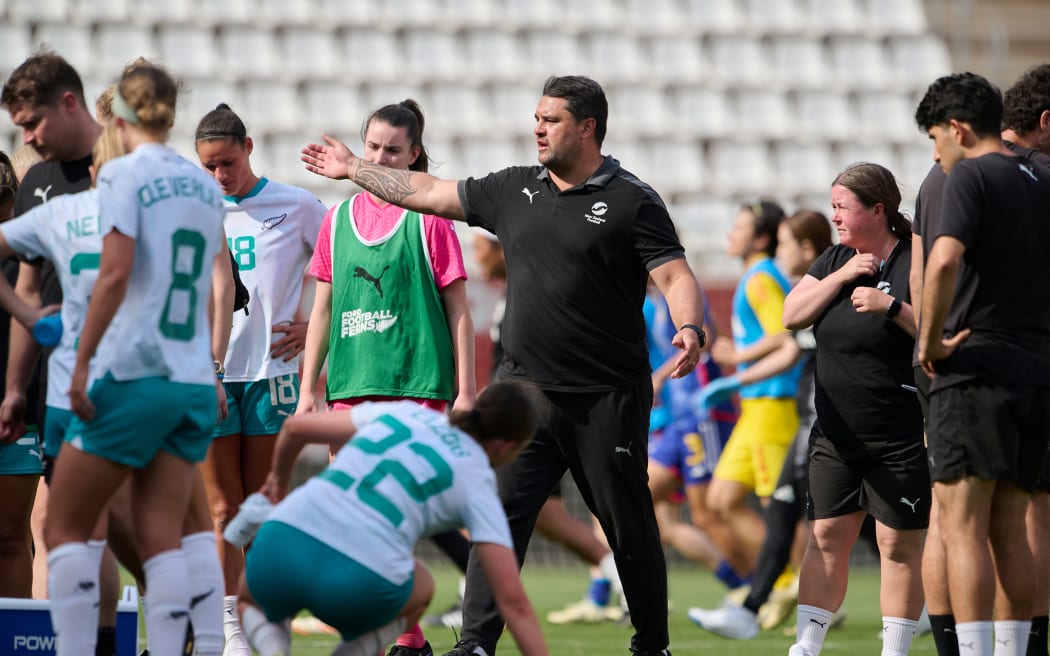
(40, 81)
(584, 99)
(1027, 99)
(965, 97)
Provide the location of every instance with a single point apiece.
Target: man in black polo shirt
(580, 235)
(984, 336)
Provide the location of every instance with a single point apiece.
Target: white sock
(1011, 637)
(236, 641)
(72, 586)
(167, 580)
(97, 549)
(812, 625)
(206, 586)
(607, 565)
(267, 638)
(975, 638)
(897, 633)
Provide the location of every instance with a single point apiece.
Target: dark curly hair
(1027, 99)
(965, 97)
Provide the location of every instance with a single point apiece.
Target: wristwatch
(894, 308)
(698, 330)
(219, 369)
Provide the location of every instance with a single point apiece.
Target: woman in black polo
(866, 450)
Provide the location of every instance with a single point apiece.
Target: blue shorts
(691, 448)
(135, 419)
(337, 589)
(22, 456)
(259, 407)
(56, 423)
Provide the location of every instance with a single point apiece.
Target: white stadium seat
(198, 97)
(90, 11)
(119, 45)
(678, 59)
(458, 110)
(639, 111)
(17, 46)
(896, 16)
(678, 166)
(877, 153)
(169, 12)
(248, 52)
(773, 16)
(859, 64)
(919, 60)
(512, 108)
(655, 17)
(310, 52)
(764, 113)
(741, 168)
(276, 105)
(889, 115)
(22, 11)
(824, 115)
(494, 55)
(551, 53)
(334, 107)
(833, 16)
(740, 61)
(72, 42)
(224, 13)
(802, 168)
(799, 62)
(714, 16)
(703, 111)
(373, 54)
(432, 55)
(188, 50)
(616, 58)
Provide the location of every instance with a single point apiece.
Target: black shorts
(1042, 484)
(994, 432)
(888, 480)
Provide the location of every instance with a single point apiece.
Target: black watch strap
(894, 308)
(698, 330)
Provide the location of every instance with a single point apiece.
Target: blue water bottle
(47, 331)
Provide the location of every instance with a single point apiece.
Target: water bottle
(254, 511)
(47, 331)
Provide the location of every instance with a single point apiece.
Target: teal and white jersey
(405, 475)
(173, 211)
(272, 232)
(66, 231)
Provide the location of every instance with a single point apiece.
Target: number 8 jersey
(173, 211)
(406, 474)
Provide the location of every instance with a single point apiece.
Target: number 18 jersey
(406, 474)
(173, 211)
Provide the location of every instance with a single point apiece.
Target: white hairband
(122, 110)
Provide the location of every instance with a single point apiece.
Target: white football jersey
(405, 475)
(173, 211)
(67, 232)
(271, 232)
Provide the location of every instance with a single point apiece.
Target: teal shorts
(22, 456)
(259, 407)
(135, 419)
(337, 589)
(56, 423)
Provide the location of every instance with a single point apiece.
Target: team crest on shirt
(274, 221)
(597, 213)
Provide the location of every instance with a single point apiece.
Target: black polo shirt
(577, 265)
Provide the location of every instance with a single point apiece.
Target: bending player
(406, 473)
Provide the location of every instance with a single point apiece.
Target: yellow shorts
(755, 452)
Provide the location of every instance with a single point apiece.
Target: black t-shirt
(863, 359)
(998, 206)
(43, 182)
(927, 215)
(577, 265)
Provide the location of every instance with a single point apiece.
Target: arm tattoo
(392, 185)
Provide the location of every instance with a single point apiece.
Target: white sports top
(405, 475)
(173, 210)
(271, 232)
(67, 232)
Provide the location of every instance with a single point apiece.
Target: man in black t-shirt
(985, 341)
(580, 235)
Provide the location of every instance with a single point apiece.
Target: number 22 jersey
(405, 475)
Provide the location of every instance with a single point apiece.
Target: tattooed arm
(409, 189)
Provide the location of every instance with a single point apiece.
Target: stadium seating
(722, 100)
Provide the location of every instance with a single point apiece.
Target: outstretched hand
(329, 159)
